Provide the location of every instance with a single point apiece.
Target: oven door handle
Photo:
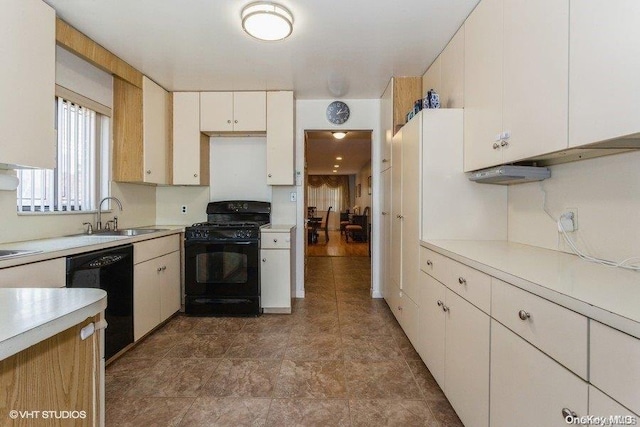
(251, 242)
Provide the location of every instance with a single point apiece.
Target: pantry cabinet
(190, 147)
(27, 82)
(396, 206)
(385, 231)
(280, 138)
(605, 63)
(141, 121)
(516, 79)
(529, 388)
(233, 112)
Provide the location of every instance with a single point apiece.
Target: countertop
(608, 295)
(278, 228)
(29, 316)
(69, 245)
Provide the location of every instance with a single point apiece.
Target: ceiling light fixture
(336, 166)
(338, 158)
(334, 171)
(339, 135)
(267, 21)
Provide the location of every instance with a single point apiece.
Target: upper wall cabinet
(141, 132)
(27, 84)
(280, 138)
(190, 147)
(515, 80)
(604, 95)
(233, 112)
(446, 73)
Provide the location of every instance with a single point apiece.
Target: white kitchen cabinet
(27, 83)
(233, 112)
(156, 283)
(432, 78)
(155, 130)
(44, 274)
(409, 318)
(529, 388)
(604, 55)
(385, 231)
(190, 147)
(276, 270)
(386, 124)
(396, 207)
(451, 88)
(431, 323)
(602, 405)
(280, 138)
(516, 80)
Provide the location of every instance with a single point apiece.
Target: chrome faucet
(99, 222)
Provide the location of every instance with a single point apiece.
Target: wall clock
(338, 112)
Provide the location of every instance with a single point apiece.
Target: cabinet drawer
(557, 331)
(153, 248)
(433, 264)
(44, 274)
(614, 364)
(275, 241)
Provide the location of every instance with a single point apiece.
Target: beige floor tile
(146, 411)
(243, 378)
(428, 385)
(258, 346)
(444, 413)
(390, 379)
(309, 413)
(269, 323)
(202, 345)
(370, 347)
(174, 378)
(227, 412)
(218, 325)
(155, 346)
(124, 373)
(314, 346)
(315, 379)
(388, 413)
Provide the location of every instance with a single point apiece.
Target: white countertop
(29, 316)
(609, 295)
(277, 228)
(69, 245)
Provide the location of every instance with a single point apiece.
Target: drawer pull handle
(523, 315)
(264, 260)
(568, 415)
(400, 307)
(275, 240)
(462, 280)
(164, 267)
(429, 263)
(159, 269)
(496, 145)
(445, 308)
(440, 303)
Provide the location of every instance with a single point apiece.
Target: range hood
(509, 174)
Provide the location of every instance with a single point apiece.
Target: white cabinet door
(483, 55)
(396, 211)
(536, 72)
(604, 55)
(43, 274)
(280, 138)
(411, 143)
(216, 111)
(385, 231)
(527, 387)
(27, 84)
(275, 279)
(432, 79)
(431, 326)
(452, 72)
(409, 318)
(602, 405)
(189, 146)
(249, 111)
(170, 292)
(466, 371)
(155, 128)
(146, 297)
(386, 124)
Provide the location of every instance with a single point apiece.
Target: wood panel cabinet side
(406, 90)
(204, 159)
(127, 132)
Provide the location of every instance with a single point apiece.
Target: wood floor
(337, 246)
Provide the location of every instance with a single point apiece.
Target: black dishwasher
(111, 270)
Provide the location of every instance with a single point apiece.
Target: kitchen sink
(128, 232)
(10, 253)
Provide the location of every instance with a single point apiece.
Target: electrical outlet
(183, 209)
(293, 196)
(569, 219)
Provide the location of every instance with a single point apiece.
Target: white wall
(365, 198)
(171, 199)
(606, 192)
(311, 115)
(81, 77)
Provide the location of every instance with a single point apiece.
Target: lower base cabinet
(528, 388)
(276, 270)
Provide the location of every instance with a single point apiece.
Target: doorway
(338, 175)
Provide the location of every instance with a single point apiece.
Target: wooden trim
(204, 159)
(82, 46)
(127, 128)
(83, 101)
(406, 91)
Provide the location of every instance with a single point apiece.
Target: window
(81, 175)
(328, 190)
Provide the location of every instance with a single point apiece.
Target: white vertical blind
(324, 196)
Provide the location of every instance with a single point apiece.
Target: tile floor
(340, 359)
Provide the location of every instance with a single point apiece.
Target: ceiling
(323, 148)
(338, 49)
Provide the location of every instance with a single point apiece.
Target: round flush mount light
(339, 135)
(267, 21)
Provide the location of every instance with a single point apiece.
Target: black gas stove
(222, 259)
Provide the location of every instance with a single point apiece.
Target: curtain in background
(328, 190)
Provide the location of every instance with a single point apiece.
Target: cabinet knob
(235, 121)
(269, 175)
(445, 308)
(228, 121)
(264, 260)
(159, 269)
(384, 213)
(399, 216)
(399, 308)
(504, 143)
(568, 415)
(523, 315)
(164, 267)
(385, 161)
(462, 280)
(275, 240)
(496, 145)
(148, 171)
(195, 175)
(429, 263)
(440, 303)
